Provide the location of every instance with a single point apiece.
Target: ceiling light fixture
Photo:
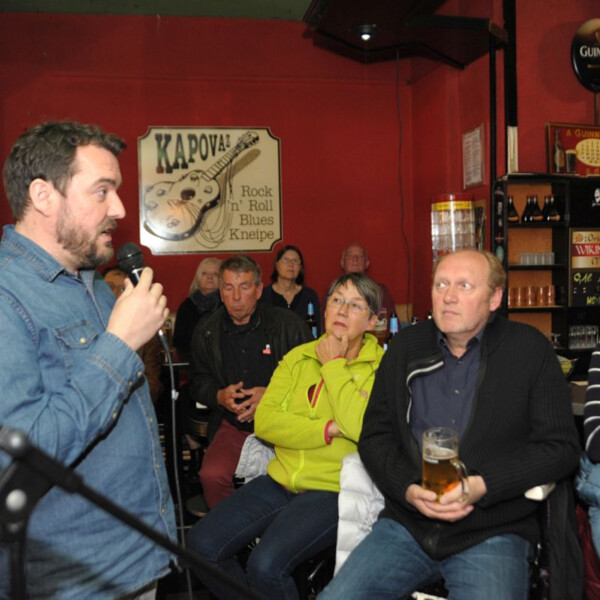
(365, 32)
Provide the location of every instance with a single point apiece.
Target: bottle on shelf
(311, 320)
(512, 216)
(551, 212)
(526, 214)
(536, 215)
(558, 154)
(394, 328)
(546, 209)
(499, 239)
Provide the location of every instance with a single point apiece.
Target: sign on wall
(209, 190)
(585, 54)
(585, 267)
(573, 149)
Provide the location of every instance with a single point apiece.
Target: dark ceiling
(402, 28)
(254, 9)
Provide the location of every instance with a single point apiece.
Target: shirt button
(114, 416)
(139, 374)
(82, 340)
(163, 510)
(156, 466)
(457, 392)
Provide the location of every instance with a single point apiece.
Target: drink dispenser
(452, 223)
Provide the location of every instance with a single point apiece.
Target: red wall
(358, 160)
(449, 102)
(336, 118)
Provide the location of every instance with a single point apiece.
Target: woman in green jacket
(312, 414)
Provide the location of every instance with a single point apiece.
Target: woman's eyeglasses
(354, 307)
(290, 261)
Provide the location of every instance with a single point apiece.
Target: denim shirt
(79, 394)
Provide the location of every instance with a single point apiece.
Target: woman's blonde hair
(195, 285)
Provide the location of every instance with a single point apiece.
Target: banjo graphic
(173, 210)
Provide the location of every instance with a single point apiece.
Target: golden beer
(442, 470)
(439, 471)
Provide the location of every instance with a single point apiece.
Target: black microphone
(131, 262)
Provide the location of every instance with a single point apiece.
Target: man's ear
(496, 299)
(42, 196)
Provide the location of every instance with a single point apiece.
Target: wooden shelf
(525, 309)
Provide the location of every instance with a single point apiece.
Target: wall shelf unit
(537, 256)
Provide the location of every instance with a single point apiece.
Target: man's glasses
(290, 261)
(354, 307)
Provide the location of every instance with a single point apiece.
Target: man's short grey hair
(366, 287)
(241, 263)
(355, 245)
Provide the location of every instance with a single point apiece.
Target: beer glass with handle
(442, 469)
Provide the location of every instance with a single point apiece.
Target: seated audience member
(356, 260)
(588, 479)
(499, 385)
(202, 298)
(312, 414)
(287, 290)
(234, 352)
(151, 351)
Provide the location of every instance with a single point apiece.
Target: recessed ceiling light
(366, 32)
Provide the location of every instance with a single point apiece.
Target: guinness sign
(585, 54)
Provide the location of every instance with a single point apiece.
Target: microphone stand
(31, 474)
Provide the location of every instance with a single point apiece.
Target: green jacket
(296, 426)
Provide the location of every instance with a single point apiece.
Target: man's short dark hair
(241, 263)
(47, 151)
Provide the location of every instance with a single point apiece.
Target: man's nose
(116, 210)
(450, 294)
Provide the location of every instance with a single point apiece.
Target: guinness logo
(585, 54)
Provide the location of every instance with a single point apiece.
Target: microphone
(131, 261)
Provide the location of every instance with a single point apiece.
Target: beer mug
(442, 470)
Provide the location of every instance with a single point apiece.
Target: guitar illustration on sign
(173, 210)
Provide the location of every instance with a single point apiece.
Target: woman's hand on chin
(330, 347)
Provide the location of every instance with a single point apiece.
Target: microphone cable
(174, 396)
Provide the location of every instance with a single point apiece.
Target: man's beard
(84, 250)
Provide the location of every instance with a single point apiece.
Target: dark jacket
(283, 331)
(191, 310)
(521, 433)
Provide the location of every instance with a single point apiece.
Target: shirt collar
(230, 327)
(44, 263)
(472, 343)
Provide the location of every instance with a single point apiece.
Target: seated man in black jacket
(497, 383)
(233, 355)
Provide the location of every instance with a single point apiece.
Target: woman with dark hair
(287, 289)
